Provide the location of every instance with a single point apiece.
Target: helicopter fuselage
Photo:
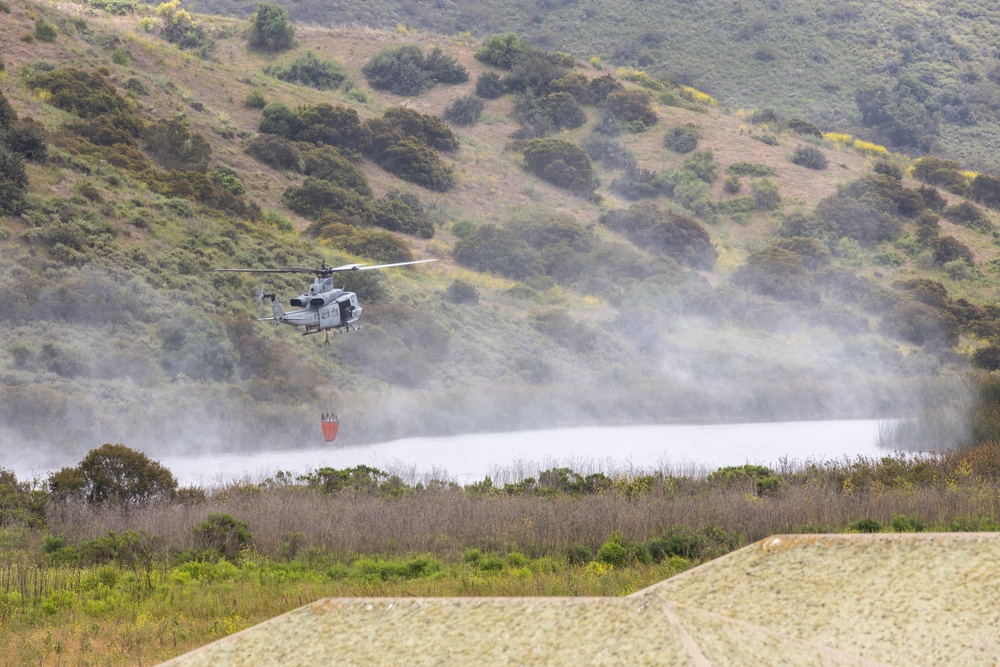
(322, 307)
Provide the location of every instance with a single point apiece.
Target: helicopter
(323, 307)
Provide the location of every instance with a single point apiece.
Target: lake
(506, 457)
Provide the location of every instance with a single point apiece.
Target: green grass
(110, 615)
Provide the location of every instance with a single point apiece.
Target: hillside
(630, 284)
(932, 64)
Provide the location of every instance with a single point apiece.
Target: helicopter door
(346, 310)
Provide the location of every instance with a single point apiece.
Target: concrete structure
(888, 599)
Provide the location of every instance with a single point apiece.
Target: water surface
(511, 456)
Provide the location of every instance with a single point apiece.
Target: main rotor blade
(326, 271)
(368, 267)
(287, 269)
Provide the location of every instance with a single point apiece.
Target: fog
(106, 358)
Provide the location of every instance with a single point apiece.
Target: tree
(114, 474)
(269, 28)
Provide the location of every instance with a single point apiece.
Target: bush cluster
(562, 163)
(112, 130)
(404, 70)
(20, 140)
(677, 236)
(464, 111)
(633, 109)
(308, 70)
(543, 244)
(403, 141)
(490, 86)
(809, 157)
(682, 139)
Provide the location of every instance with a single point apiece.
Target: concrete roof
(887, 599)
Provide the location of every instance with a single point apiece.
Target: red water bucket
(331, 425)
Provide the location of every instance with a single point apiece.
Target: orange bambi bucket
(331, 425)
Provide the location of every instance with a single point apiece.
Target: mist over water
(676, 449)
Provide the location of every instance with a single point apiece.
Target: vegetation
(308, 70)
(405, 70)
(269, 28)
(240, 554)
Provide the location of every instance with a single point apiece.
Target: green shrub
(489, 86)
(575, 84)
(88, 95)
(733, 184)
(223, 534)
(44, 31)
(278, 119)
(404, 70)
(781, 274)
(338, 126)
(969, 215)
(939, 171)
(13, 182)
(314, 197)
(464, 111)
(610, 152)
(403, 212)
(460, 292)
(665, 232)
(180, 29)
(542, 115)
(809, 157)
(865, 526)
(308, 70)
(682, 139)
(426, 129)
(415, 162)
(578, 554)
(135, 85)
(889, 169)
(768, 139)
(270, 29)
(399, 70)
(497, 250)
(804, 127)
(766, 195)
(228, 179)
(986, 189)
(613, 552)
(275, 151)
(639, 183)
(703, 165)
(631, 106)
(443, 68)
(328, 164)
(174, 146)
(921, 325)
(947, 249)
(562, 163)
(986, 358)
(255, 99)
(504, 51)
(381, 247)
